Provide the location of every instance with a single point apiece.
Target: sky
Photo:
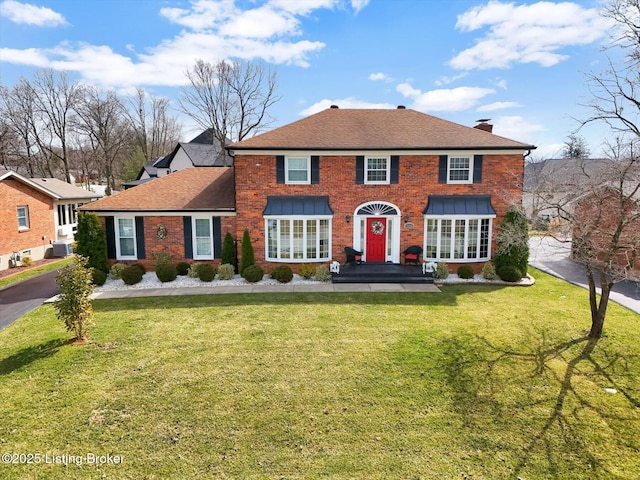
(522, 64)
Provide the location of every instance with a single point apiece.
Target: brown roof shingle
(194, 188)
(355, 129)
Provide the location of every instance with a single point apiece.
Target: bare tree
(230, 98)
(156, 131)
(55, 98)
(101, 119)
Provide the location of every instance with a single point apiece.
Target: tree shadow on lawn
(447, 297)
(31, 354)
(491, 396)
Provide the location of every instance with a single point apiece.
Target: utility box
(62, 249)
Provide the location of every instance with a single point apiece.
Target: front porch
(381, 273)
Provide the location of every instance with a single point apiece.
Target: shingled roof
(190, 189)
(369, 129)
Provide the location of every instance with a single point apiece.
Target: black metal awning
(459, 205)
(297, 205)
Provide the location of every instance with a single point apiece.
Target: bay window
(298, 239)
(457, 239)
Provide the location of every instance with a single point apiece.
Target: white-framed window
(297, 170)
(460, 169)
(67, 214)
(458, 239)
(202, 238)
(126, 239)
(298, 239)
(377, 170)
(23, 217)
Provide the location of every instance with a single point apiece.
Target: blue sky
(522, 63)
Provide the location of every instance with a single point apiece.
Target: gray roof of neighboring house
(203, 151)
(52, 187)
(559, 174)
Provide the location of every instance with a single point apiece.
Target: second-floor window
(23, 217)
(377, 170)
(297, 170)
(460, 170)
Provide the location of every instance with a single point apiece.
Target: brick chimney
(484, 125)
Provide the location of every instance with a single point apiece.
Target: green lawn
(475, 382)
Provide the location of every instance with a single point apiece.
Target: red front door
(376, 239)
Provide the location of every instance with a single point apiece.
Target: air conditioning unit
(62, 249)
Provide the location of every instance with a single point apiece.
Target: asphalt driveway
(21, 298)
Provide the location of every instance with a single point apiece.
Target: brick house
(186, 214)
(377, 181)
(374, 180)
(36, 212)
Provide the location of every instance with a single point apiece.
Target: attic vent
(401, 107)
(335, 106)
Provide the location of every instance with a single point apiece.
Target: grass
(32, 272)
(476, 382)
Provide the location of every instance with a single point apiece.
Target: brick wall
(13, 194)
(418, 178)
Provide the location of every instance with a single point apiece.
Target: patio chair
(412, 254)
(353, 256)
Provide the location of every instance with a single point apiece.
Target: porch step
(381, 273)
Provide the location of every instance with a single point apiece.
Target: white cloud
(444, 100)
(378, 76)
(31, 14)
(533, 33)
(447, 80)
(490, 107)
(348, 102)
(516, 128)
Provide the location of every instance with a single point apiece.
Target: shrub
(132, 275)
(91, 241)
(183, 268)
(512, 241)
(163, 258)
(509, 273)
(282, 274)
(488, 271)
(27, 261)
(226, 271)
(307, 270)
(140, 267)
(442, 271)
(73, 305)
(322, 273)
(248, 257)
(465, 271)
(229, 252)
(166, 272)
(253, 273)
(98, 277)
(193, 270)
(116, 270)
(206, 272)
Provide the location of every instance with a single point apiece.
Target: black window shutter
(188, 237)
(395, 168)
(442, 169)
(280, 168)
(477, 169)
(360, 169)
(315, 169)
(217, 238)
(110, 228)
(140, 237)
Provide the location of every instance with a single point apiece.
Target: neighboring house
(607, 221)
(202, 151)
(378, 181)
(186, 214)
(36, 212)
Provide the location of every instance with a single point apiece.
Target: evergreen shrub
(132, 275)
(166, 272)
(322, 273)
(226, 271)
(307, 271)
(442, 271)
(206, 272)
(282, 274)
(465, 271)
(488, 271)
(116, 270)
(98, 277)
(509, 273)
(182, 268)
(253, 273)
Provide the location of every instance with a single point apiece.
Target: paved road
(21, 298)
(552, 256)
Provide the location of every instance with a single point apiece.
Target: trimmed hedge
(166, 272)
